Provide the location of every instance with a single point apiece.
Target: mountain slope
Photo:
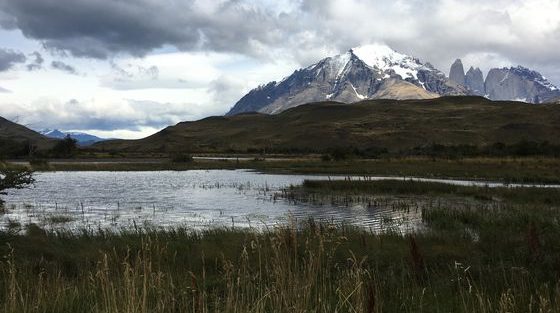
(13, 132)
(353, 76)
(15, 139)
(391, 124)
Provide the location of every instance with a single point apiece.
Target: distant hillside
(391, 124)
(12, 132)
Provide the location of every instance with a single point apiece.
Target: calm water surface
(196, 199)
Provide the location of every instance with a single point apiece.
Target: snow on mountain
(387, 60)
(83, 139)
(355, 75)
(533, 76)
(514, 83)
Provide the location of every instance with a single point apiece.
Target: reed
(307, 267)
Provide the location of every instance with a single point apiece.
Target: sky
(128, 68)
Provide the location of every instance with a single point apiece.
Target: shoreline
(502, 170)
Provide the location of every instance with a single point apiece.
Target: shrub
(182, 158)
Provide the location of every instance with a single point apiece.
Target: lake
(196, 199)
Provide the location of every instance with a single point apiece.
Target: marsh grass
(499, 253)
(529, 195)
(513, 266)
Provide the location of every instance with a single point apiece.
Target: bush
(14, 179)
(38, 163)
(182, 158)
(65, 148)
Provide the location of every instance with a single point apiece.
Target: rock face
(377, 71)
(515, 83)
(366, 72)
(457, 72)
(474, 81)
(520, 84)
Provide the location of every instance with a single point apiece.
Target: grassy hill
(14, 136)
(393, 124)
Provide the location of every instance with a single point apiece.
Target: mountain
(474, 81)
(514, 83)
(83, 139)
(361, 73)
(393, 124)
(519, 83)
(555, 100)
(457, 73)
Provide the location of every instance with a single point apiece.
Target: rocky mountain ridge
(366, 72)
(377, 71)
(514, 83)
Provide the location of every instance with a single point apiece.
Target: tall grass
(500, 253)
(313, 267)
(530, 195)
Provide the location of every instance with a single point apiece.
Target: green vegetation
(17, 178)
(526, 195)
(14, 149)
(468, 259)
(512, 170)
(182, 158)
(65, 148)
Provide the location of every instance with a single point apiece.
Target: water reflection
(196, 199)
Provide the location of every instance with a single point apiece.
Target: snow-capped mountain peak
(364, 72)
(52, 133)
(82, 138)
(386, 59)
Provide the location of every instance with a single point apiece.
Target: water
(196, 199)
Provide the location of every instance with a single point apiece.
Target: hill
(16, 140)
(392, 124)
(10, 131)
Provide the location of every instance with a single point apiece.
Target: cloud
(9, 58)
(519, 31)
(102, 28)
(61, 66)
(102, 115)
(226, 90)
(130, 76)
(4, 90)
(37, 62)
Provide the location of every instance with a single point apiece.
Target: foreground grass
(514, 170)
(472, 259)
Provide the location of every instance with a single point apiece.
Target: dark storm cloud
(9, 58)
(61, 66)
(101, 28)
(36, 63)
(518, 31)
